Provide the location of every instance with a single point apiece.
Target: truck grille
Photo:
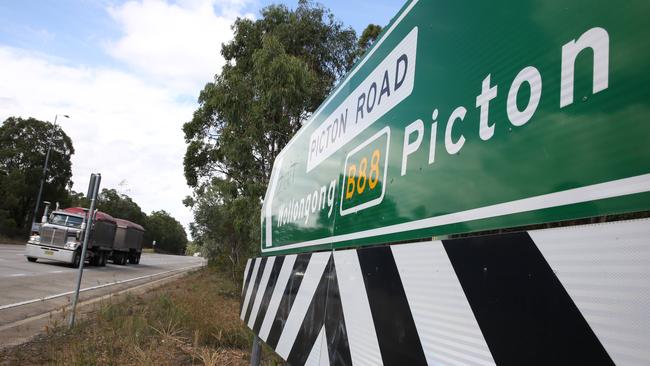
(53, 236)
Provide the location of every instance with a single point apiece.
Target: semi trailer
(127, 245)
(60, 237)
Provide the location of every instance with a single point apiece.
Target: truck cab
(58, 239)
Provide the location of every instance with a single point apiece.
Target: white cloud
(119, 125)
(127, 124)
(175, 44)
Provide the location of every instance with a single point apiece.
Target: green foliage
(191, 248)
(23, 146)
(120, 206)
(75, 199)
(225, 224)
(368, 38)
(279, 68)
(169, 234)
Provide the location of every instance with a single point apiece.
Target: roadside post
(256, 352)
(93, 188)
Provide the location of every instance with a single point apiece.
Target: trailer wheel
(31, 259)
(102, 259)
(119, 258)
(76, 261)
(136, 259)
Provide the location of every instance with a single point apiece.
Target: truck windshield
(65, 220)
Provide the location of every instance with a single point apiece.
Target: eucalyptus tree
(278, 70)
(23, 145)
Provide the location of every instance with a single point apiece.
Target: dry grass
(192, 321)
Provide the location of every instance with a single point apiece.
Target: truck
(61, 234)
(127, 245)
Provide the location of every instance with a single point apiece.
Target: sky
(128, 74)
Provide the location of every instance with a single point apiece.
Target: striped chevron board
(566, 296)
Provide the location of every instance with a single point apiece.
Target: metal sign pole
(256, 352)
(93, 188)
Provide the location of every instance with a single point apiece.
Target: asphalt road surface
(22, 281)
(33, 294)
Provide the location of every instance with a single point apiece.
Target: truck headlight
(71, 245)
(35, 239)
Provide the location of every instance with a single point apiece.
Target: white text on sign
(384, 88)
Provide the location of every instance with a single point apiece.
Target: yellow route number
(364, 174)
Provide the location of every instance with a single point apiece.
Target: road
(32, 289)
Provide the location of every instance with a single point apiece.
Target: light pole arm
(47, 159)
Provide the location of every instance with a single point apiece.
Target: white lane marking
(34, 274)
(95, 287)
(87, 302)
(123, 267)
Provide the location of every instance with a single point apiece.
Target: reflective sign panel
(468, 116)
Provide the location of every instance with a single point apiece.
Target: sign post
(256, 352)
(93, 189)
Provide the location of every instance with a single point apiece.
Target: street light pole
(47, 159)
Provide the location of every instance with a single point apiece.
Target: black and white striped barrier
(565, 296)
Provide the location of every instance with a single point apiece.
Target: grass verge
(191, 321)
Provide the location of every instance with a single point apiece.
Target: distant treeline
(279, 69)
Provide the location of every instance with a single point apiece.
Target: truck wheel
(76, 260)
(31, 259)
(121, 259)
(94, 260)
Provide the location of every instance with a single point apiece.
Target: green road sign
(468, 116)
